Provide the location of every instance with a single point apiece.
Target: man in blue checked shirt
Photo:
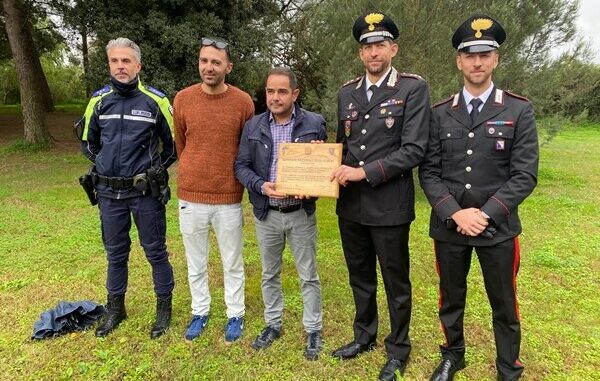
(279, 217)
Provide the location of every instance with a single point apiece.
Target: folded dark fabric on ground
(67, 317)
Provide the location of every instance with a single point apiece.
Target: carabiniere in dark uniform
(490, 164)
(387, 137)
(480, 165)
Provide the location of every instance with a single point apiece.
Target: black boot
(163, 316)
(115, 314)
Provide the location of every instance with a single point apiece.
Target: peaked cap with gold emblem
(477, 34)
(374, 27)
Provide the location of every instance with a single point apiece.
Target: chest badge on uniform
(391, 102)
(350, 106)
(354, 114)
(500, 123)
(500, 145)
(389, 122)
(491, 130)
(347, 128)
(144, 113)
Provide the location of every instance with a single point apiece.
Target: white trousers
(227, 220)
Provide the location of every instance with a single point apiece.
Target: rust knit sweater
(207, 135)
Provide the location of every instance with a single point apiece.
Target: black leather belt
(286, 209)
(116, 182)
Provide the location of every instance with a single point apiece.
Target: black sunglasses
(206, 41)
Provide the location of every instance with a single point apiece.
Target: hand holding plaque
(304, 169)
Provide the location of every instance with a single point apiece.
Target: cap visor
(372, 39)
(478, 49)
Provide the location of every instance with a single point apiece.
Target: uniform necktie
(373, 89)
(475, 102)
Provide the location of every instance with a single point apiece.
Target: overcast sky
(588, 24)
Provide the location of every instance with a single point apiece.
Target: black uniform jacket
(490, 164)
(387, 137)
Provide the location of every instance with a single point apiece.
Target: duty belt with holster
(154, 180)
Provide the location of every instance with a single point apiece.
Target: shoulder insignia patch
(516, 96)
(352, 81)
(155, 91)
(443, 101)
(410, 75)
(101, 91)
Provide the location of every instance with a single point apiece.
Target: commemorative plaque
(304, 169)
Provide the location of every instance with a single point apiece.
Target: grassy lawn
(50, 250)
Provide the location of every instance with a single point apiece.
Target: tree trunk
(86, 60)
(27, 62)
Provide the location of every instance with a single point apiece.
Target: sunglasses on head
(206, 41)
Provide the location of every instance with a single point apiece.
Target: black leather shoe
(266, 338)
(445, 371)
(391, 367)
(314, 345)
(352, 350)
(115, 314)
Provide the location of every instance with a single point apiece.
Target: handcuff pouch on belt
(140, 182)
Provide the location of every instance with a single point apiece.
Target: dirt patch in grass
(60, 125)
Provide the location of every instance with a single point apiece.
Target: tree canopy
(313, 37)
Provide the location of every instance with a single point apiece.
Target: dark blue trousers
(150, 219)
(499, 265)
(363, 246)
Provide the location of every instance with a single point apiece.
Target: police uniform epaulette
(410, 75)
(352, 81)
(155, 91)
(443, 101)
(516, 96)
(101, 91)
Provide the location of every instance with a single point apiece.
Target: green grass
(77, 106)
(50, 250)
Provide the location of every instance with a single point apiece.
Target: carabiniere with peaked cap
(383, 119)
(478, 34)
(481, 161)
(374, 27)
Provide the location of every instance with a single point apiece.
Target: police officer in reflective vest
(383, 120)
(481, 163)
(127, 134)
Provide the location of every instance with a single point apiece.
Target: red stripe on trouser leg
(517, 260)
(440, 297)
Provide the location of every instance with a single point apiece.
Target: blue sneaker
(196, 327)
(234, 329)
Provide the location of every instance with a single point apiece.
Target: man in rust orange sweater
(209, 118)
